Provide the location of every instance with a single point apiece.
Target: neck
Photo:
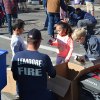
(32, 48)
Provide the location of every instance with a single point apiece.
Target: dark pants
(60, 60)
(54, 18)
(8, 17)
(0, 22)
(88, 24)
(46, 20)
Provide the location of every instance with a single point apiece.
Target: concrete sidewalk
(8, 93)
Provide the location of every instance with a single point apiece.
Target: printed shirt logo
(29, 71)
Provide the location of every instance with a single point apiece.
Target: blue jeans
(8, 17)
(88, 24)
(46, 20)
(54, 18)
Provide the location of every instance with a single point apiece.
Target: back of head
(18, 24)
(79, 32)
(34, 35)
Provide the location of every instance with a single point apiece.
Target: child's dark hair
(66, 26)
(18, 24)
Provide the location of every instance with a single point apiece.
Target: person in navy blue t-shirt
(30, 69)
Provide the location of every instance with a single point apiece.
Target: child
(63, 42)
(17, 43)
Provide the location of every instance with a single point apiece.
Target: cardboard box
(65, 85)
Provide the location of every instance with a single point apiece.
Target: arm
(14, 69)
(55, 43)
(70, 44)
(49, 67)
(93, 49)
(17, 46)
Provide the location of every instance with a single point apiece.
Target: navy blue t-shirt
(30, 69)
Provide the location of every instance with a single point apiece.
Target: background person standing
(53, 10)
(14, 10)
(46, 20)
(8, 7)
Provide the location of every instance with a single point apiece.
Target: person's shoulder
(14, 38)
(17, 55)
(44, 56)
(21, 52)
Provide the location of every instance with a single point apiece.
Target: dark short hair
(34, 34)
(18, 24)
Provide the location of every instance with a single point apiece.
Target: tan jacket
(53, 6)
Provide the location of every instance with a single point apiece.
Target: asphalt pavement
(35, 18)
